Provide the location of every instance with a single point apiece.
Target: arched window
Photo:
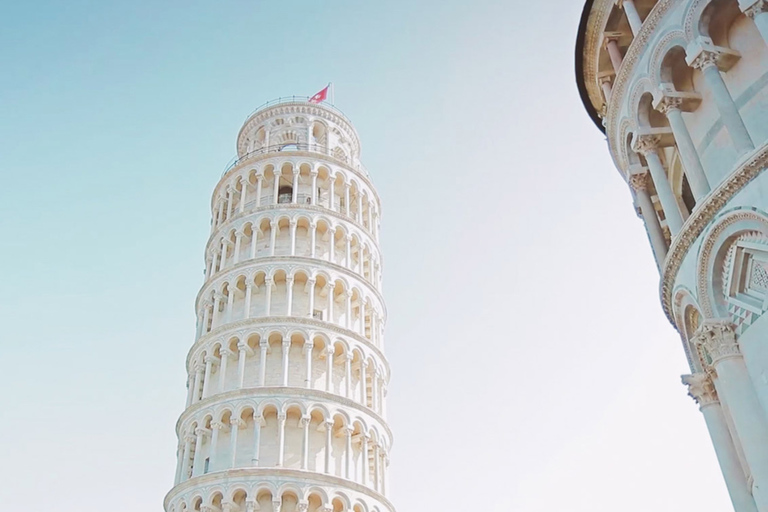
(285, 194)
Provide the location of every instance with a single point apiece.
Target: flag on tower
(321, 96)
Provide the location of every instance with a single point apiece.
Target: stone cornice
(242, 326)
(303, 479)
(280, 393)
(701, 217)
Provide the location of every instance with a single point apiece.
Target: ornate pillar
(225, 353)
(273, 237)
(647, 145)
(758, 11)
(348, 252)
(289, 295)
(209, 361)
(243, 194)
(259, 180)
(264, 346)
(238, 240)
(244, 350)
(359, 214)
(331, 299)
(190, 389)
(280, 439)
(215, 428)
(364, 459)
(363, 385)
(304, 423)
(331, 244)
(186, 471)
(606, 85)
(331, 193)
(611, 43)
(295, 187)
(346, 199)
(328, 445)
(230, 198)
(248, 294)
(235, 423)
(329, 368)
(717, 342)
(308, 346)
(216, 304)
(254, 239)
(348, 375)
(313, 237)
(268, 284)
(311, 293)
(702, 390)
(200, 434)
(633, 17)
(702, 55)
(276, 188)
(230, 303)
(286, 350)
(313, 175)
(258, 422)
(293, 224)
(348, 295)
(199, 369)
(347, 431)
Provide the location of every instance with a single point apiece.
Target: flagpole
(333, 96)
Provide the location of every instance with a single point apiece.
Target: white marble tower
(287, 376)
(680, 89)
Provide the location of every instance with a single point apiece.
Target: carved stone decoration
(701, 389)
(759, 7)
(645, 144)
(638, 181)
(716, 340)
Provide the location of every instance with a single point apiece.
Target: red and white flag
(321, 96)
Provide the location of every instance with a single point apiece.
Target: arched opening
(285, 194)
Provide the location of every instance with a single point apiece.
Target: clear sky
(533, 369)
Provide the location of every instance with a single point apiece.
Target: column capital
(645, 144)
(313, 172)
(302, 506)
(701, 53)
(189, 437)
(226, 353)
(611, 36)
(219, 426)
(276, 505)
(202, 432)
(286, 343)
(296, 171)
(305, 420)
(211, 360)
(638, 180)
(753, 7)
(288, 278)
(701, 389)
(293, 223)
(236, 422)
(308, 345)
(716, 340)
(281, 416)
(199, 368)
(243, 346)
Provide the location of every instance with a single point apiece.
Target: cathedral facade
(287, 377)
(680, 89)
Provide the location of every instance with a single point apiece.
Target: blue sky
(532, 367)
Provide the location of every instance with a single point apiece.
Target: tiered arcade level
(680, 89)
(287, 376)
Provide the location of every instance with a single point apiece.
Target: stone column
(647, 145)
(185, 470)
(243, 194)
(259, 179)
(702, 390)
(273, 237)
(304, 422)
(295, 187)
(364, 458)
(758, 11)
(286, 351)
(276, 504)
(717, 341)
(258, 422)
(348, 375)
(376, 466)
(248, 294)
(363, 385)
(348, 453)
(308, 346)
(223, 259)
(671, 106)
(238, 241)
(606, 86)
(235, 423)
(289, 295)
(311, 293)
(705, 57)
(313, 175)
(633, 17)
(293, 225)
(209, 361)
(254, 240)
(220, 213)
(190, 389)
(328, 445)
(216, 305)
(611, 43)
(215, 428)
(331, 194)
(276, 188)
(346, 199)
(329, 350)
(375, 389)
(348, 252)
(225, 353)
(244, 350)
(230, 200)
(280, 439)
(268, 283)
(200, 434)
(359, 214)
(264, 346)
(230, 303)
(313, 237)
(331, 244)
(331, 299)
(199, 369)
(348, 295)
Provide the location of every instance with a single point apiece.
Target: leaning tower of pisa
(287, 375)
(680, 89)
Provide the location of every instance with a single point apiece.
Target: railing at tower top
(296, 99)
(283, 148)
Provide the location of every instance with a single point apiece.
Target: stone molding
(701, 217)
(718, 339)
